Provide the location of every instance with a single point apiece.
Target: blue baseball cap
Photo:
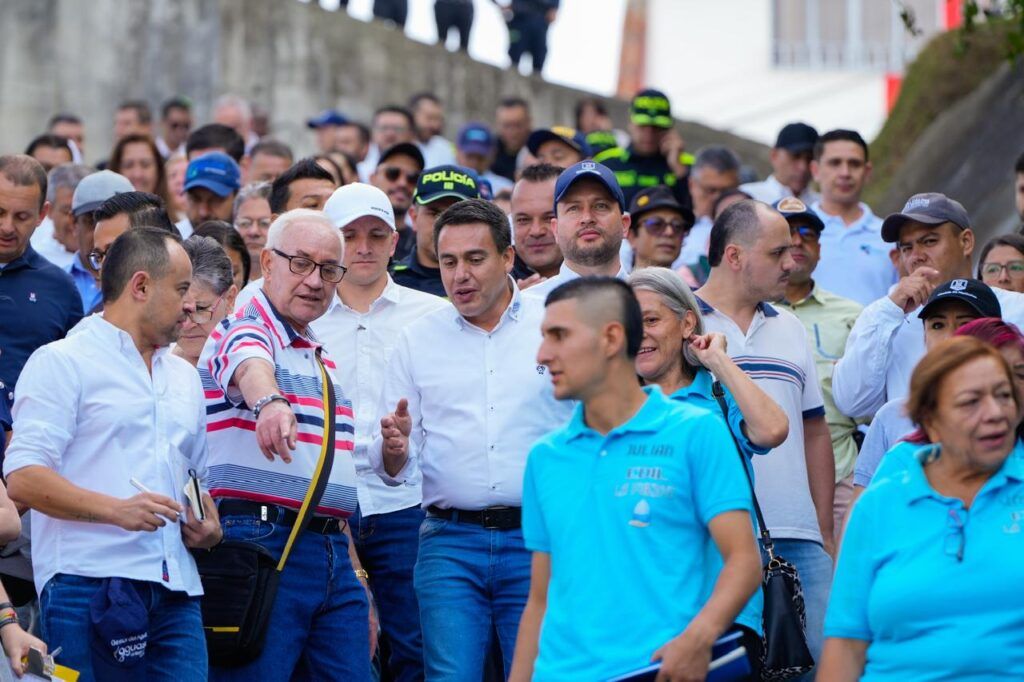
(589, 169)
(119, 624)
(475, 138)
(215, 171)
(567, 136)
(327, 117)
(795, 210)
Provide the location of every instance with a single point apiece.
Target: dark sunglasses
(807, 234)
(392, 173)
(657, 226)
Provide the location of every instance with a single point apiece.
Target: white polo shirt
(365, 341)
(776, 354)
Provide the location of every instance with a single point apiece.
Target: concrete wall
(291, 58)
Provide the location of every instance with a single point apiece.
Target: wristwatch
(266, 400)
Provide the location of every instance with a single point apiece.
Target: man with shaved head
(750, 262)
(592, 331)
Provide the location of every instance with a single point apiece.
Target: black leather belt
(283, 516)
(492, 518)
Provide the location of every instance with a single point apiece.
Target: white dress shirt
(539, 292)
(771, 190)
(882, 350)
(89, 409)
(363, 342)
(478, 402)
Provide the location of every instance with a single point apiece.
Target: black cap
(795, 210)
(405, 149)
(931, 208)
(446, 181)
(653, 198)
(651, 107)
(978, 295)
(797, 138)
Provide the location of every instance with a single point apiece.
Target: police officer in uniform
(438, 188)
(655, 154)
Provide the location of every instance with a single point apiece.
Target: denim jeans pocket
(246, 528)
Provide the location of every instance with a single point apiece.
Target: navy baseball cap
(403, 149)
(567, 136)
(653, 198)
(978, 295)
(589, 169)
(796, 138)
(446, 181)
(930, 208)
(475, 138)
(119, 626)
(327, 117)
(651, 107)
(215, 171)
(794, 210)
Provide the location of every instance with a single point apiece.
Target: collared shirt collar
(392, 294)
(567, 273)
(814, 295)
(650, 418)
(513, 311)
(763, 307)
(111, 334)
(920, 488)
(281, 326)
(866, 219)
(701, 385)
(29, 259)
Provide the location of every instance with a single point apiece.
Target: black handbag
(240, 578)
(784, 652)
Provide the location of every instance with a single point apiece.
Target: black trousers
(457, 14)
(528, 33)
(392, 10)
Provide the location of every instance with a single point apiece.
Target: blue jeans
(176, 647)
(815, 568)
(319, 627)
(387, 545)
(470, 581)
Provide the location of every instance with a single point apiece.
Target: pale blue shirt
(854, 258)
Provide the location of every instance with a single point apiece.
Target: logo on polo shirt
(641, 515)
(1016, 518)
(540, 369)
(31, 297)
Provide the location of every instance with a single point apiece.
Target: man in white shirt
(464, 382)
(935, 240)
(110, 426)
(363, 324)
(590, 225)
(855, 261)
(791, 167)
(750, 263)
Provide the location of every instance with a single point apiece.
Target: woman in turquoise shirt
(928, 581)
(677, 356)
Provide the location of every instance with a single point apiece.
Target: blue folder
(728, 663)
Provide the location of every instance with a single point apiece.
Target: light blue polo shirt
(698, 394)
(900, 586)
(854, 260)
(625, 518)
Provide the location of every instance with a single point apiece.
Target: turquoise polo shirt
(899, 585)
(624, 518)
(699, 394)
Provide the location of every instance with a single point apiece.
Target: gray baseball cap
(94, 189)
(930, 208)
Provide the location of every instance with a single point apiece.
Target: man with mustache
(750, 263)
(590, 223)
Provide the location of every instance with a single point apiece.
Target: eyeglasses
(956, 538)
(657, 226)
(1014, 267)
(392, 173)
(300, 265)
(807, 234)
(96, 258)
(204, 315)
(246, 223)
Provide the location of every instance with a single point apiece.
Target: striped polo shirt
(776, 354)
(237, 468)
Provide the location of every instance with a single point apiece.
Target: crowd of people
(504, 407)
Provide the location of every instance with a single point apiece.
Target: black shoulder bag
(240, 578)
(784, 652)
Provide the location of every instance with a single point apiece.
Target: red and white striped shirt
(237, 468)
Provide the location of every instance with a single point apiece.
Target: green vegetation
(949, 68)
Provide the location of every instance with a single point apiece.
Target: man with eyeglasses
(120, 213)
(90, 194)
(658, 227)
(437, 189)
(261, 370)
(397, 173)
(828, 319)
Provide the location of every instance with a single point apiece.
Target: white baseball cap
(359, 200)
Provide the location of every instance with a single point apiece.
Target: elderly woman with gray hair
(210, 297)
(678, 357)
